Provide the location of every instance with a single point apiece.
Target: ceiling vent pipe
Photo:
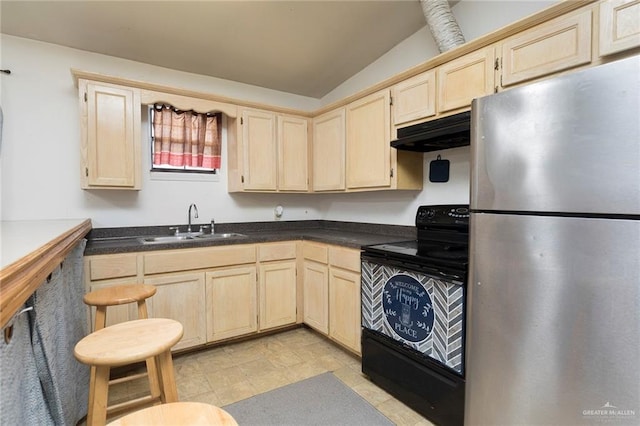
(442, 23)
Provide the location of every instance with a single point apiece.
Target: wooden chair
(178, 413)
(128, 343)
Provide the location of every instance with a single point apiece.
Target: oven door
(416, 306)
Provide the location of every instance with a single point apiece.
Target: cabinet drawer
(276, 251)
(345, 258)
(314, 251)
(188, 259)
(112, 266)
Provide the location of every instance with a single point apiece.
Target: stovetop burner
(443, 256)
(444, 251)
(442, 239)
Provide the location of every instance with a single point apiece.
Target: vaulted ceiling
(304, 47)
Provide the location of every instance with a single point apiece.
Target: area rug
(320, 400)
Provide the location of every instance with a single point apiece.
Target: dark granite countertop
(347, 234)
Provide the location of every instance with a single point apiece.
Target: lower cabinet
(344, 307)
(332, 292)
(181, 297)
(225, 292)
(231, 304)
(316, 296)
(277, 290)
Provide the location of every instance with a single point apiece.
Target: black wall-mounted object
(439, 170)
(443, 133)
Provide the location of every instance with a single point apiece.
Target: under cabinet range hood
(443, 133)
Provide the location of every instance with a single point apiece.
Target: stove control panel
(446, 214)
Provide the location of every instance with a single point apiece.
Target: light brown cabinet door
(260, 150)
(415, 98)
(328, 151)
(548, 48)
(110, 144)
(293, 158)
(344, 308)
(619, 26)
(466, 78)
(181, 297)
(277, 294)
(368, 142)
(316, 296)
(231, 302)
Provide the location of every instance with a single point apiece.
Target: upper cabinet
(328, 151)
(110, 136)
(547, 48)
(347, 148)
(414, 99)
(260, 154)
(371, 163)
(464, 79)
(619, 26)
(274, 151)
(368, 142)
(293, 145)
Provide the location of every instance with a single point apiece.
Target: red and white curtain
(185, 138)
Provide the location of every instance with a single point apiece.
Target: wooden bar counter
(29, 252)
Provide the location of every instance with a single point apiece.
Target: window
(184, 141)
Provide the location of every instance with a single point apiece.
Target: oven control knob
(431, 213)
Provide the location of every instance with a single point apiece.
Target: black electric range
(413, 314)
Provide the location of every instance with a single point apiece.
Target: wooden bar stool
(178, 413)
(124, 294)
(118, 295)
(128, 343)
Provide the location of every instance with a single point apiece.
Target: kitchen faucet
(195, 216)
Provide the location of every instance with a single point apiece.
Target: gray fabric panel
(23, 401)
(59, 323)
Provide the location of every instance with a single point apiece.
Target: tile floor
(237, 371)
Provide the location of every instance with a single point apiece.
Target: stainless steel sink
(216, 236)
(165, 239)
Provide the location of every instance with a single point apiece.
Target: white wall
(475, 18)
(399, 207)
(414, 50)
(40, 156)
(40, 160)
(479, 17)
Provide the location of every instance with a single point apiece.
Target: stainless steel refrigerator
(553, 320)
